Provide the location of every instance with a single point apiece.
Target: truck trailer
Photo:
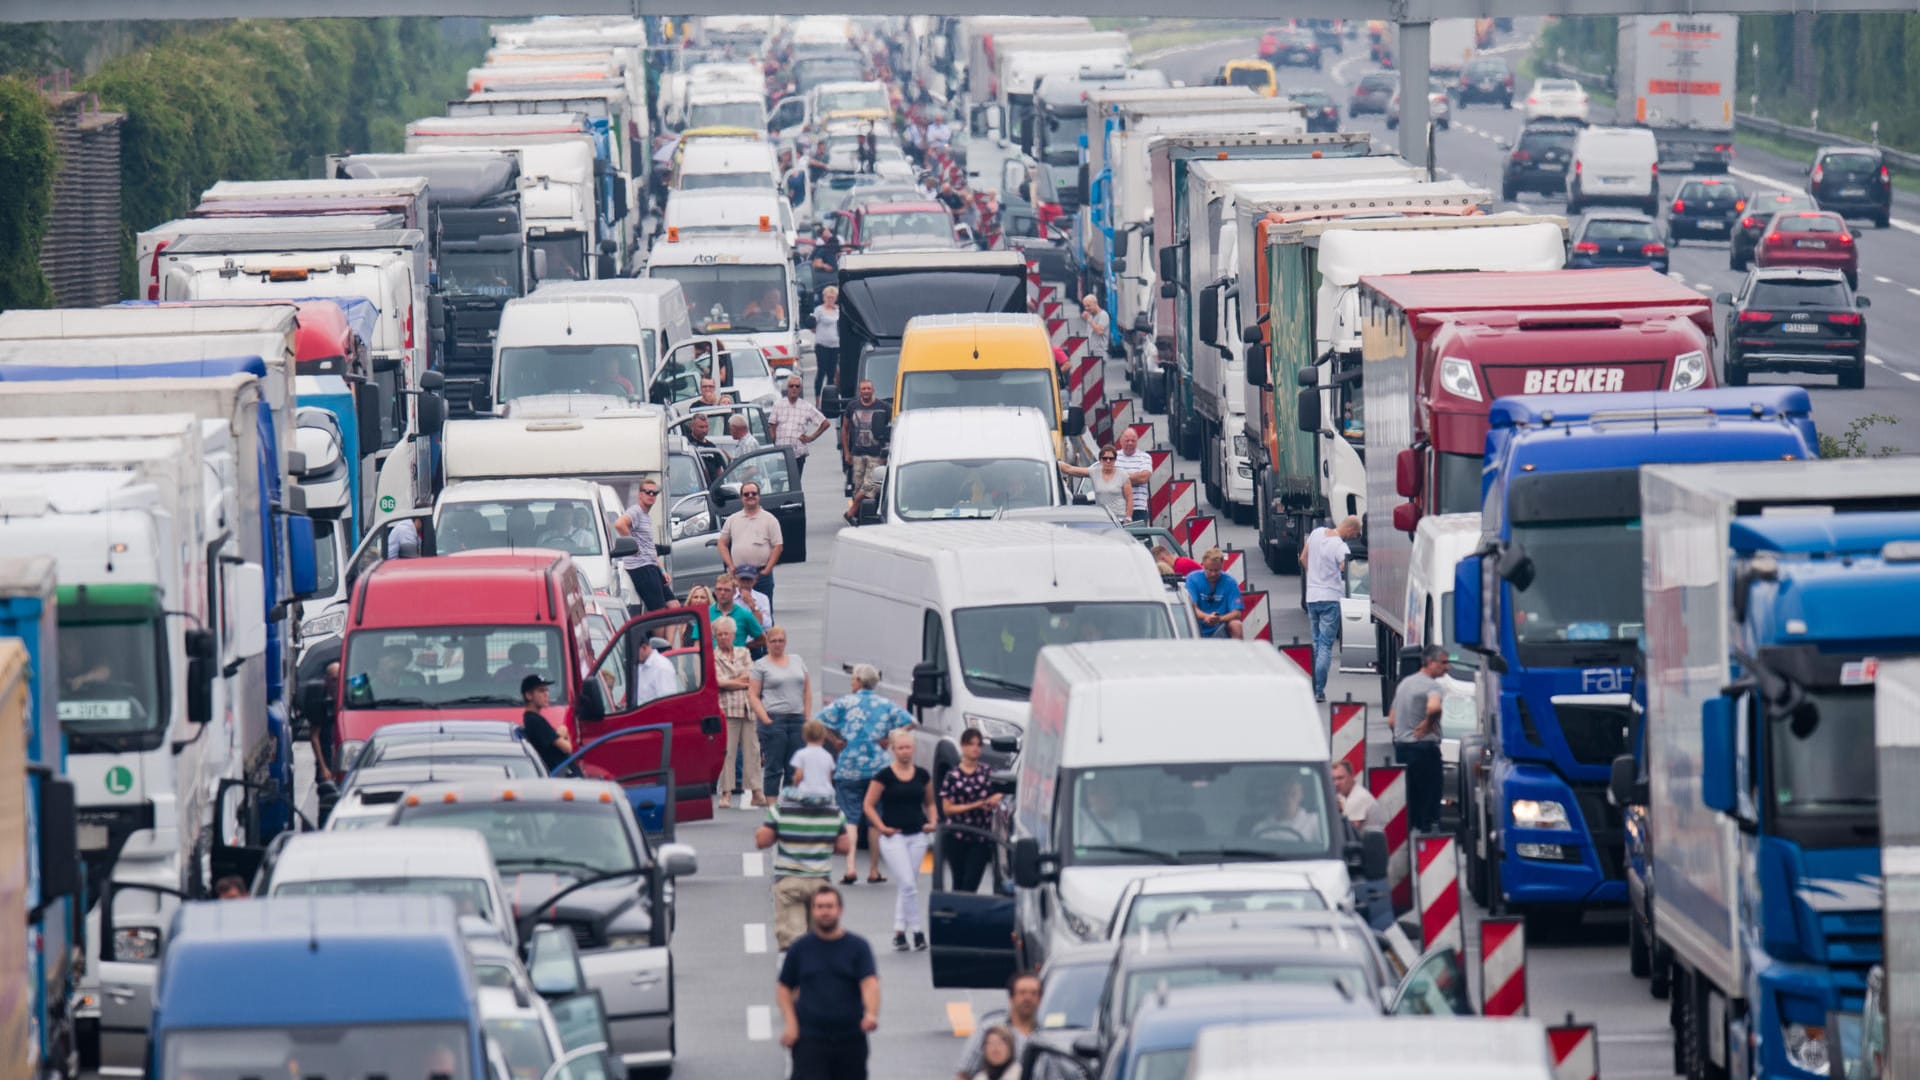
(1676, 74)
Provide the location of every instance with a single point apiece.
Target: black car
(1616, 238)
(1297, 48)
(1795, 318)
(1852, 181)
(1485, 79)
(1706, 208)
(1322, 113)
(1745, 235)
(1540, 160)
(1327, 33)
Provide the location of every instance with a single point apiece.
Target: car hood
(597, 904)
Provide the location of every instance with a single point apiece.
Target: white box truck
(1675, 74)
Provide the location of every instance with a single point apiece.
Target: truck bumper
(1238, 479)
(1805, 997)
(1556, 866)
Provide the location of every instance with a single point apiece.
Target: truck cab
(948, 361)
(740, 289)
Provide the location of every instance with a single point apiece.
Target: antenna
(1053, 558)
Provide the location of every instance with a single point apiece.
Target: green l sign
(119, 780)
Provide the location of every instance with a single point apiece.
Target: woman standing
(1112, 487)
(826, 340)
(967, 798)
(733, 670)
(699, 598)
(900, 804)
(782, 693)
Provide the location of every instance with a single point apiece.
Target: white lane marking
(1913, 290)
(1872, 359)
(1677, 276)
(1883, 280)
(1703, 287)
(1340, 70)
(751, 864)
(759, 1022)
(1769, 182)
(756, 937)
(1910, 376)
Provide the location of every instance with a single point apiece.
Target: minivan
(969, 463)
(565, 346)
(1614, 166)
(948, 361)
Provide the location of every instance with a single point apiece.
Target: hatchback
(1557, 99)
(1745, 235)
(1486, 79)
(1540, 160)
(1705, 209)
(1322, 113)
(1616, 238)
(1296, 48)
(1810, 238)
(1372, 93)
(1852, 181)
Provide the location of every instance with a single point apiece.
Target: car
(451, 862)
(898, 226)
(1255, 75)
(1705, 208)
(719, 421)
(1327, 32)
(1322, 113)
(1745, 236)
(1795, 319)
(1539, 160)
(1852, 181)
(368, 797)
(1616, 238)
(1153, 902)
(1439, 107)
(1557, 99)
(1160, 1040)
(1485, 80)
(1810, 238)
(1373, 93)
(475, 739)
(555, 1018)
(1296, 48)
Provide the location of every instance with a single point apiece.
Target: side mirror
(724, 492)
(1466, 603)
(590, 706)
(1083, 184)
(1306, 410)
(1624, 786)
(624, 546)
(1409, 659)
(1087, 1046)
(930, 688)
(1515, 566)
(436, 312)
(1717, 768)
(963, 234)
(1307, 376)
(1168, 290)
(1373, 855)
(1257, 365)
(1030, 868)
(1119, 265)
(366, 415)
(553, 962)
(1723, 298)
(1073, 421)
(1863, 301)
(678, 860)
(1169, 263)
(539, 264)
(203, 659)
(1207, 317)
(315, 700)
(1406, 517)
(246, 588)
(59, 839)
(433, 381)
(1408, 475)
(431, 410)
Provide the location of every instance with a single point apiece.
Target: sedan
(1322, 113)
(1796, 319)
(1373, 93)
(1557, 99)
(1745, 236)
(1297, 48)
(1705, 209)
(1439, 109)
(1616, 238)
(1810, 238)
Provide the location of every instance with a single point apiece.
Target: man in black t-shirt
(829, 995)
(863, 441)
(553, 746)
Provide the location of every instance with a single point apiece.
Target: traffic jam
(1254, 592)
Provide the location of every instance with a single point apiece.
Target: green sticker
(387, 504)
(119, 780)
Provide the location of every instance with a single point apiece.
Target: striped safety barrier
(1181, 501)
(1575, 1049)
(1057, 333)
(1388, 786)
(1438, 882)
(1033, 285)
(1503, 966)
(1236, 564)
(1256, 623)
(1347, 727)
(1158, 482)
(1122, 411)
(1301, 653)
(1196, 534)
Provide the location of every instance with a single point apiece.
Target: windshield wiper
(1232, 853)
(477, 699)
(544, 861)
(403, 703)
(995, 680)
(1166, 857)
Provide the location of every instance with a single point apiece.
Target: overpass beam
(1415, 52)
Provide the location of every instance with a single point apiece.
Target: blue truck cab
(1552, 602)
(326, 986)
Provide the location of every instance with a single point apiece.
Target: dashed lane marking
(756, 937)
(759, 1022)
(1913, 291)
(1872, 359)
(1883, 280)
(1910, 376)
(960, 1018)
(751, 864)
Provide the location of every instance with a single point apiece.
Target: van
(726, 106)
(729, 212)
(1383, 1048)
(724, 162)
(969, 463)
(562, 515)
(947, 361)
(456, 863)
(567, 345)
(954, 614)
(661, 304)
(1614, 166)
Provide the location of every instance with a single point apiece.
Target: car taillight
(1652, 249)
(1721, 148)
(1522, 155)
(1756, 316)
(1777, 239)
(1586, 247)
(1679, 207)
(1844, 318)
(1818, 172)
(153, 290)
(1533, 101)
(1655, 169)
(1576, 167)
(1509, 82)
(1885, 176)
(1846, 238)
(1739, 205)
(1747, 223)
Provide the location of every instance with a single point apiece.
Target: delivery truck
(1675, 75)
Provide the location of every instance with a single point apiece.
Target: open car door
(616, 697)
(970, 934)
(778, 475)
(678, 377)
(1435, 986)
(134, 919)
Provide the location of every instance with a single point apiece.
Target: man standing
(1138, 466)
(748, 575)
(1324, 561)
(1415, 722)
(829, 995)
(1215, 597)
(805, 834)
(863, 442)
(653, 676)
(796, 422)
(553, 746)
(752, 535)
(1020, 1017)
(748, 633)
(743, 441)
(643, 566)
(1099, 323)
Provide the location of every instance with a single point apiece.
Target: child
(812, 764)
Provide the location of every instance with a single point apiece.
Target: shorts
(864, 483)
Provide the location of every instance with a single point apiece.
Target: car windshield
(470, 895)
(743, 297)
(1378, 82)
(523, 1042)
(921, 224)
(1709, 192)
(737, 114)
(448, 666)
(975, 487)
(583, 838)
(833, 101)
(1830, 770)
(1586, 584)
(1158, 912)
(1225, 972)
(707, 181)
(1535, 142)
(1459, 483)
(569, 525)
(110, 665)
(1615, 229)
(998, 644)
(684, 476)
(1071, 997)
(1851, 162)
(1806, 223)
(1253, 77)
(1031, 387)
(395, 1051)
(1162, 1065)
(1197, 812)
(1798, 293)
(531, 370)
(481, 273)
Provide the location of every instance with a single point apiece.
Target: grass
(1166, 33)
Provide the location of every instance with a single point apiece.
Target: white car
(1439, 109)
(1560, 99)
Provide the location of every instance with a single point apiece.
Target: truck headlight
(993, 728)
(1239, 446)
(136, 944)
(325, 624)
(1689, 370)
(1806, 1046)
(1539, 814)
(1456, 374)
(692, 525)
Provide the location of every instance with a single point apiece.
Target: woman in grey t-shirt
(782, 691)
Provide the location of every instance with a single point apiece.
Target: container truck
(1773, 593)
(1006, 125)
(1675, 74)
(1555, 696)
(1450, 44)
(974, 39)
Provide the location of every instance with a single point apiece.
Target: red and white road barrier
(1196, 534)
(1057, 333)
(1122, 410)
(1439, 885)
(1575, 1049)
(1301, 653)
(1033, 285)
(1256, 623)
(1503, 966)
(1181, 501)
(1348, 731)
(1159, 479)
(1388, 785)
(1143, 430)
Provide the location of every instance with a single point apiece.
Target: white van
(724, 162)
(452, 862)
(661, 304)
(740, 288)
(1614, 166)
(1439, 544)
(1140, 755)
(560, 345)
(617, 447)
(945, 464)
(699, 212)
(726, 106)
(562, 515)
(954, 614)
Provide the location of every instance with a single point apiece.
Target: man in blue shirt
(829, 996)
(1215, 596)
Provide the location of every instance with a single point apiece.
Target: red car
(1810, 238)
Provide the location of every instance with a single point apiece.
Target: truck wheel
(1883, 219)
(1733, 260)
(1269, 543)
(1639, 950)
(1660, 984)
(1241, 513)
(1209, 482)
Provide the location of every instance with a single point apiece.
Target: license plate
(1713, 224)
(1799, 328)
(93, 837)
(1486, 86)
(1552, 166)
(1846, 192)
(1817, 244)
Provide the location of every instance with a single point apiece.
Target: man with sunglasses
(643, 566)
(752, 536)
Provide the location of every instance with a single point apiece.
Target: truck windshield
(736, 114)
(927, 490)
(531, 370)
(1586, 582)
(470, 895)
(742, 297)
(1062, 137)
(569, 525)
(1196, 812)
(566, 256)
(325, 1052)
(1032, 387)
(110, 680)
(998, 644)
(1459, 484)
(439, 666)
(1829, 772)
(584, 838)
(482, 273)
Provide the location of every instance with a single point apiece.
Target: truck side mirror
(1624, 786)
(539, 265)
(246, 589)
(1515, 566)
(1169, 263)
(1306, 410)
(624, 546)
(1408, 476)
(303, 565)
(1466, 603)
(1371, 864)
(1307, 376)
(1208, 316)
(1257, 364)
(366, 414)
(1717, 768)
(59, 839)
(1406, 517)
(1083, 184)
(1073, 422)
(930, 689)
(591, 705)
(202, 659)
(431, 410)
(1030, 868)
(437, 312)
(1169, 290)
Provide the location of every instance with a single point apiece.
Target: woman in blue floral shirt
(863, 719)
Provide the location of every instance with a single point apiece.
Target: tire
(1241, 513)
(1853, 280)
(1392, 123)
(1653, 206)
(1883, 219)
(1660, 983)
(1733, 260)
(1639, 949)
(1856, 379)
(1446, 125)
(1508, 193)
(1216, 498)
(1735, 374)
(1507, 104)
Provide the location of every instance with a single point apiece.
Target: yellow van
(984, 360)
(1256, 75)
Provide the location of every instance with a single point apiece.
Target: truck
(1450, 44)
(742, 289)
(1022, 60)
(974, 40)
(1773, 591)
(880, 294)
(39, 853)
(1309, 466)
(1675, 75)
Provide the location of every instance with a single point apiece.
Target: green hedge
(28, 160)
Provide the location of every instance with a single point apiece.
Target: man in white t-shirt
(1138, 466)
(1324, 560)
(1356, 803)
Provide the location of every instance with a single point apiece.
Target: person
(1356, 803)
(1107, 820)
(523, 659)
(1112, 489)
(1324, 560)
(812, 765)
(1415, 722)
(1139, 467)
(609, 381)
(697, 430)
(321, 729)
(863, 720)
(997, 1056)
(826, 259)
(939, 133)
(733, 672)
(829, 996)
(566, 532)
(394, 670)
(951, 199)
(653, 674)
(710, 393)
(863, 442)
(1018, 1021)
(795, 421)
(748, 575)
(727, 605)
(1174, 564)
(967, 798)
(782, 691)
(403, 540)
(743, 441)
(1215, 597)
(868, 150)
(768, 306)
(1099, 323)
(230, 888)
(649, 578)
(552, 745)
(826, 331)
(900, 804)
(1287, 819)
(804, 833)
(752, 535)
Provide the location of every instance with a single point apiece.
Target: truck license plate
(1800, 328)
(93, 837)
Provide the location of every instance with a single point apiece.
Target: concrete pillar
(1412, 56)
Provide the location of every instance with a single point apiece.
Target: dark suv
(1852, 181)
(1793, 318)
(1373, 93)
(1485, 79)
(1705, 209)
(1539, 162)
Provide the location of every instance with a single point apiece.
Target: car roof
(530, 789)
(1615, 215)
(427, 749)
(407, 774)
(1798, 273)
(332, 856)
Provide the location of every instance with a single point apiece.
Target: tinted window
(1534, 142)
(1312, 99)
(1618, 230)
(1800, 223)
(1696, 189)
(1487, 68)
(1378, 82)
(1248, 77)
(1778, 204)
(1851, 162)
(1767, 294)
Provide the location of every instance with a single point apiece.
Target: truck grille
(1608, 832)
(1595, 734)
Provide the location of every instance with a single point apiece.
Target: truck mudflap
(636, 986)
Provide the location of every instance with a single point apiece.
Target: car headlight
(629, 941)
(1806, 1046)
(136, 944)
(1539, 814)
(350, 752)
(692, 525)
(325, 624)
(1689, 370)
(1083, 927)
(1456, 374)
(992, 727)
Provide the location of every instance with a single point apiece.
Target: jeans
(1140, 514)
(1323, 616)
(1424, 777)
(903, 852)
(779, 741)
(815, 1058)
(826, 367)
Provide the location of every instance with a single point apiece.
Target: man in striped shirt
(805, 834)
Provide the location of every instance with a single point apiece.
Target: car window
(1071, 997)
(1799, 293)
(1616, 229)
(1806, 223)
(1851, 162)
(1534, 142)
(1378, 81)
(1779, 204)
(1557, 86)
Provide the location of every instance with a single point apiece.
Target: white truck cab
(563, 345)
(725, 162)
(693, 214)
(740, 289)
(949, 464)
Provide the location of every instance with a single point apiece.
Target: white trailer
(1676, 75)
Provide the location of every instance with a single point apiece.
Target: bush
(29, 158)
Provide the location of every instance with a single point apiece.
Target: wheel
(1392, 122)
(1508, 103)
(1677, 1020)
(1653, 206)
(1734, 261)
(1508, 193)
(1853, 279)
(1573, 206)
(1211, 487)
(1241, 513)
(1883, 219)
(1639, 949)
(1446, 125)
(1856, 379)
(1735, 375)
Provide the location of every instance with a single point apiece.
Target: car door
(691, 714)
(696, 542)
(780, 495)
(133, 923)
(1436, 985)
(970, 935)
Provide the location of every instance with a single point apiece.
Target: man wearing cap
(653, 676)
(748, 575)
(553, 746)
